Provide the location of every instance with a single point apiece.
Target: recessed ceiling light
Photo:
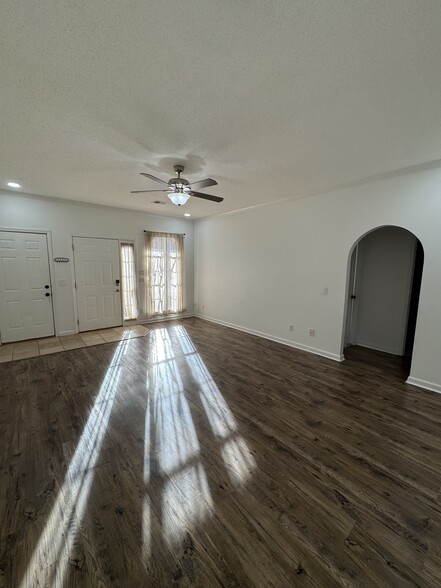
(187, 214)
(14, 185)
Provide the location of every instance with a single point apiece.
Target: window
(130, 310)
(165, 283)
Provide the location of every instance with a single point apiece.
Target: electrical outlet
(291, 327)
(312, 332)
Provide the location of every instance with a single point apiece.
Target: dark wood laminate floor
(202, 456)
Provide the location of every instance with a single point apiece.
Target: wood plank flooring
(202, 456)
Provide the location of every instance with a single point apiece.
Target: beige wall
(264, 269)
(65, 219)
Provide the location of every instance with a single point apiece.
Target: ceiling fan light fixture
(178, 198)
(179, 189)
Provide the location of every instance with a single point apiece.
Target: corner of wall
(424, 384)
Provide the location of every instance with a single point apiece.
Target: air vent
(159, 202)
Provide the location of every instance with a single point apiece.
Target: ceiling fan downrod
(178, 169)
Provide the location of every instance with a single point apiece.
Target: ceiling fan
(179, 189)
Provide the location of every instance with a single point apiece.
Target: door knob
(47, 286)
(117, 290)
(47, 294)
(117, 282)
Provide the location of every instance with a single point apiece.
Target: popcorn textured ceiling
(274, 100)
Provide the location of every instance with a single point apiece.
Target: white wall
(384, 274)
(65, 219)
(265, 268)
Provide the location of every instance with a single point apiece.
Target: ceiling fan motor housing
(178, 182)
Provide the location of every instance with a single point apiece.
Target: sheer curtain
(164, 273)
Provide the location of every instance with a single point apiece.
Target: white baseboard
(64, 333)
(161, 319)
(307, 348)
(381, 348)
(424, 384)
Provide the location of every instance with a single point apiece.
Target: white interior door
(25, 287)
(97, 275)
(351, 310)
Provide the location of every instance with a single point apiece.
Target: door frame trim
(50, 255)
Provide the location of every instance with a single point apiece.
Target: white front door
(25, 287)
(97, 278)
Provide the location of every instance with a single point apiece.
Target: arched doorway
(384, 280)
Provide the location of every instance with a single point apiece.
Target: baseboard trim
(377, 348)
(166, 318)
(424, 384)
(307, 348)
(65, 333)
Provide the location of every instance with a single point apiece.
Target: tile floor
(36, 347)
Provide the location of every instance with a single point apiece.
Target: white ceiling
(274, 100)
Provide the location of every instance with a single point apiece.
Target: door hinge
(75, 284)
(78, 322)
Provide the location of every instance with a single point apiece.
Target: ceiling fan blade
(204, 183)
(154, 178)
(207, 196)
(144, 191)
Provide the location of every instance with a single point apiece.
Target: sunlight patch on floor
(236, 454)
(146, 528)
(58, 537)
(238, 460)
(186, 502)
(219, 415)
(173, 462)
(173, 433)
